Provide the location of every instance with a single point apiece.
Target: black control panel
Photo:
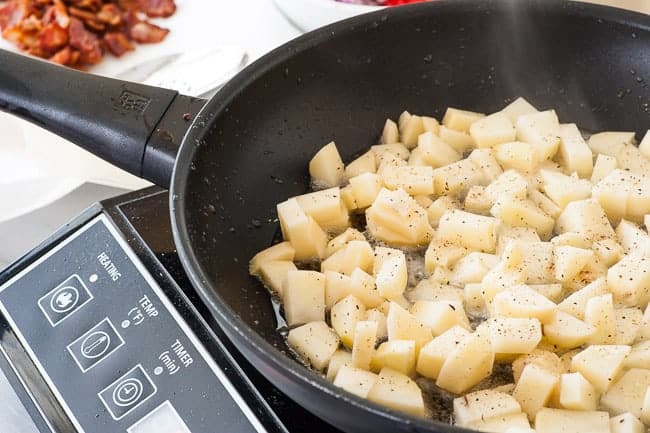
(112, 348)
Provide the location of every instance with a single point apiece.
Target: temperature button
(127, 392)
(66, 298)
(95, 345)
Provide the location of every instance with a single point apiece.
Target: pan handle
(135, 127)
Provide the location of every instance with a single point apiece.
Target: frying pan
(248, 147)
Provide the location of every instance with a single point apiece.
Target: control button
(95, 345)
(163, 419)
(127, 392)
(66, 298)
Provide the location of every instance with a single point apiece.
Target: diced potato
(566, 331)
(355, 380)
(339, 359)
(575, 155)
(461, 141)
(439, 316)
(397, 391)
(485, 160)
(273, 273)
(571, 421)
(600, 364)
(576, 303)
(416, 158)
(363, 347)
(460, 120)
(523, 302)
(542, 130)
(639, 357)
(468, 230)
(363, 164)
(544, 359)
(483, 404)
(564, 189)
(586, 217)
(603, 166)
(433, 355)
(632, 238)
(281, 251)
(476, 201)
(608, 251)
(610, 143)
(410, 128)
(492, 130)
(398, 355)
(390, 134)
(534, 389)
(645, 409)
(433, 290)
(629, 281)
(510, 184)
(438, 208)
(627, 393)
(435, 152)
(544, 203)
(397, 219)
(551, 291)
(442, 253)
(348, 198)
(363, 287)
(472, 268)
(613, 192)
(375, 315)
(571, 239)
(518, 107)
(391, 277)
(356, 254)
(523, 213)
(499, 278)
(626, 423)
(507, 233)
(326, 167)
(470, 362)
(644, 146)
(315, 342)
(397, 149)
(501, 424)
(337, 287)
(474, 301)
(457, 177)
(516, 155)
(414, 179)
(537, 259)
(569, 261)
(343, 239)
(345, 315)
(303, 297)
(324, 205)
(599, 313)
(630, 158)
(514, 335)
(307, 238)
(403, 325)
(365, 188)
(576, 393)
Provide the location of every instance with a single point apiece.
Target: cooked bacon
(78, 32)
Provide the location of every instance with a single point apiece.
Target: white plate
(311, 14)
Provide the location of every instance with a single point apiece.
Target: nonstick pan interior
(590, 63)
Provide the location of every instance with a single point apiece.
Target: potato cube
(492, 130)
(363, 164)
(439, 316)
(398, 355)
(551, 291)
(344, 316)
(472, 268)
(639, 357)
(467, 364)
(355, 380)
(339, 359)
(534, 389)
(460, 120)
(433, 290)
(431, 124)
(610, 143)
(569, 261)
(518, 107)
(483, 404)
(499, 278)
(544, 359)
(476, 201)
(629, 281)
(365, 188)
(315, 342)
(402, 325)
(566, 331)
(502, 423)
(600, 364)
(442, 253)
(603, 166)
(348, 198)
(586, 217)
(414, 179)
(514, 335)
(343, 239)
(410, 128)
(363, 286)
(542, 130)
(356, 254)
(274, 272)
(397, 391)
(523, 302)
(626, 423)
(510, 184)
(390, 134)
(436, 152)
(416, 157)
(303, 297)
(575, 155)
(645, 409)
(485, 160)
(461, 141)
(438, 208)
(631, 159)
(608, 251)
(523, 213)
(564, 189)
(537, 259)
(363, 346)
(516, 155)
(571, 421)
(337, 287)
(468, 230)
(281, 251)
(544, 203)
(599, 313)
(613, 193)
(644, 146)
(457, 177)
(507, 233)
(576, 303)
(632, 238)
(433, 355)
(627, 394)
(324, 205)
(391, 278)
(397, 149)
(307, 238)
(326, 167)
(576, 393)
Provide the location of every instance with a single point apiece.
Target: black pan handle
(135, 127)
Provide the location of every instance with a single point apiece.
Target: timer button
(128, 392)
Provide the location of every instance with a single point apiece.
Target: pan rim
(201, 126)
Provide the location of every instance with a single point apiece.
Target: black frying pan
(249, 147)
